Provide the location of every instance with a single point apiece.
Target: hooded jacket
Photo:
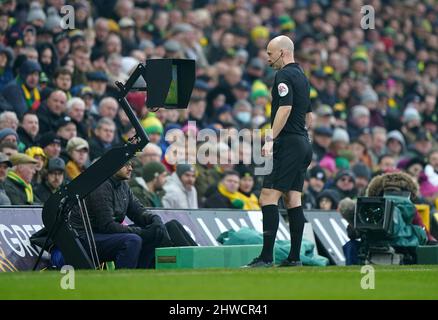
(177, 196)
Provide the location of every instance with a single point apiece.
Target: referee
(291, 151)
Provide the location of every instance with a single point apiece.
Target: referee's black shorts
(292, 154)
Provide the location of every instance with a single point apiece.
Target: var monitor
(168, 82)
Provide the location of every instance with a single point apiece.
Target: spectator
(65, 130)
(8, 119)
(153, 128)
(150, 153)
(28, 130)
(6, 59)
(422, 145)
(328, 200)
(23, 93)
(148, 188)
(378, 147)
(62, 80)
(18, 182)
(76, 111)
(103, 139)
(360, 118)
(363, 177)
(246, 187)
(38, 154)
(98, 82)
(4, 165)
(52, 111)
(51, 144)
(395, 144)
(345, 184)
(8, 148)
(81, 58)
(108, 108)
(9, 135)
(48, 59)
(180, 189)
(324, 116)
(78, 151)
(431, 169)
(226, 194)
(386, 163)
(317, 180)
(321, 141)
(52, 181)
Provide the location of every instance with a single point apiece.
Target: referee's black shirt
(291, 88)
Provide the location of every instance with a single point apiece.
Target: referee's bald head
(280, 51)
(284, 43)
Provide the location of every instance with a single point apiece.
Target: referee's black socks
(296, 227)
(270, 227)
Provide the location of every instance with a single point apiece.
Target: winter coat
(177, 196)
(147, 198)
(108, 206)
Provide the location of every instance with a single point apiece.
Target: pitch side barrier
(18, 223)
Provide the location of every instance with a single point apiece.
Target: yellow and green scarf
(27, 186)
(33, 100)
(239, 200)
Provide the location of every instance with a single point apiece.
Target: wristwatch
(268, 139)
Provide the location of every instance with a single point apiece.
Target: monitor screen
(172, 95)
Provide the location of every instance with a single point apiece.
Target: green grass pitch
(391, 282)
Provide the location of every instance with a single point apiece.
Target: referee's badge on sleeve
(283, 89)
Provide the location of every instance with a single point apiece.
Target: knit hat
(49, 138)
(286, 23)
(152, 170)
(362, 171)
(318, 173)
(396, 135)
(259, 93)
(344, 173)
(55, 164)
(7, 132)
(359, 111)
(340, 135)
(331, 194)
(53, 20)
(35, 12)
(411, 114)
(259, 32)
(183, 168)
(342, 163)
(369, 95)
(152, 125)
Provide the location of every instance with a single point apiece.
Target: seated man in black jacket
(128, 246)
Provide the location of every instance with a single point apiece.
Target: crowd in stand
(373, 91)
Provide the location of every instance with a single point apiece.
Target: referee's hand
(267, 149)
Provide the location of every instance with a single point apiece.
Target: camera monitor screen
(172, 95)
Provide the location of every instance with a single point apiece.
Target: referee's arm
(280, 120)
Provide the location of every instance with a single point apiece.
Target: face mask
(244, 117)
(258, 120)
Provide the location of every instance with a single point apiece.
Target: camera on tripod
(376, 219)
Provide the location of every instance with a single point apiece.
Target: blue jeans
(129, 250)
